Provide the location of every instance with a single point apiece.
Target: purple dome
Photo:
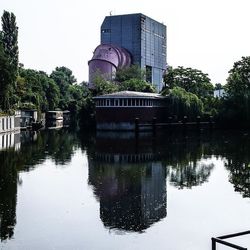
(107, 59)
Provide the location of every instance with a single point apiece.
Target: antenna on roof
(110, 13)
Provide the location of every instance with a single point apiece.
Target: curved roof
(115, 55)
(131, 94)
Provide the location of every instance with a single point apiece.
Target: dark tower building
(143, 37)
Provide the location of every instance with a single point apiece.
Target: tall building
(143, 37)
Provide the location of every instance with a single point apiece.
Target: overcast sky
(209, 35)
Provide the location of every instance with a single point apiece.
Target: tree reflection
(238, 162)
(8, 194)
(35, 148)
(189, 175)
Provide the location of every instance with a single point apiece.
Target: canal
(78, 190)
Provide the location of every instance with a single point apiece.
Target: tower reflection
(128, 180)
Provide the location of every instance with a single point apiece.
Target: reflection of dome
(107, 59)
(132, 197)
(128, 181)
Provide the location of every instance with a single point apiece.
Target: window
(106, 30)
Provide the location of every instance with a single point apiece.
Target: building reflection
(10, 140)
(129, 181)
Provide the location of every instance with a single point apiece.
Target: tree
(238, 91)
(132, 79)
(132, 72)
(5, 79)
(63, 77)
(10, 39)
(102, 86)
(9, 51)
(183, 103)
(218, 86)
(192, 80)
(135, 84)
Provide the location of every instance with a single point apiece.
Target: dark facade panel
(143, 37)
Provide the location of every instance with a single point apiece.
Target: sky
(209, 35)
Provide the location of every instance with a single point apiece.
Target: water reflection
(128, 182)
(35, 148)
(237, 161)
(127, 174)
(10, 140)
(8, 193)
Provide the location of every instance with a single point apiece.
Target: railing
(221, 240)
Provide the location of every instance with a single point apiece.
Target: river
(61, 189)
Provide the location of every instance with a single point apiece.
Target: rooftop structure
(144, 41)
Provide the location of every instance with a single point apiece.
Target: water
(73, 190)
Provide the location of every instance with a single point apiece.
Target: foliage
(137, 85)
(132, 72)
(63, 78)
(36, 88)
(102, 86)
(10, 38)
(218, 86)
(183, 103)
(192, 80)
(132, 79)
(237, 92)
(9, 60)
(5, 79)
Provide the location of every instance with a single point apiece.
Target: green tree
(218, 86)
(132, 79)
(63, 77)
(132, 72)
(183, 103)
(238, 91)
(102, 86)
(5, 79)
(135, 84)
(52, 92)
(10, 39)
(192, 80)
(9, 44)
(37, 90)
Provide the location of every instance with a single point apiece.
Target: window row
(127, 103)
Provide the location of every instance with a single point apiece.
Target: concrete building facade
(144, 38)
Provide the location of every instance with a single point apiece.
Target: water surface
(73, 190)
